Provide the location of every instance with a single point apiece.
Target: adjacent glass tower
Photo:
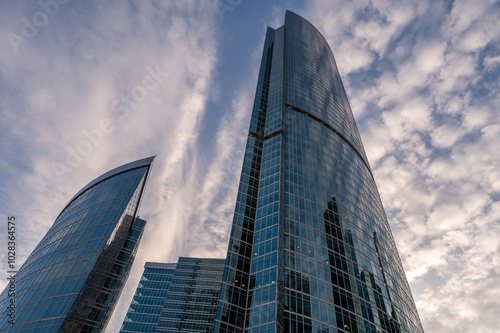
(73, 278)
(310, 248)
(145, 308)
(191, 302)
(176, 297)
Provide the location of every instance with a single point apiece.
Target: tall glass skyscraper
(310, 248)
(73, 278)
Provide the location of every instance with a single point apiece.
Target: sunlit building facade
(145, 308)
(176, 297)
(310, 249)
(191, 302)
(73, 278)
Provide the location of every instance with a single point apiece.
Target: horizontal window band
(264, 138)
(333, 130)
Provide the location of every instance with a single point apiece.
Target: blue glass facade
(191, 302)
(310, 247)
(145, 308)
(73, 278)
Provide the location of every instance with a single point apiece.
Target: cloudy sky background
(422, 78)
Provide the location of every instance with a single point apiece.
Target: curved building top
(312, 80)
(132, 165)
(122, 168)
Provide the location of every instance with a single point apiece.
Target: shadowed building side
(191, 301)
(147, 303)
(174, 297)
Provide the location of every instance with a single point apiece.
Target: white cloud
(492, 61)
(446, 135)
(376, 141)
(414, 115)
(429, 56)
(475, 118)
(454, 75)
(356, 42)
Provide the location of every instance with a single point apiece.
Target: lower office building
(72, 280)
(188, 292)
(145, 308)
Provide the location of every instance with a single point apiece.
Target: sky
(422, 77)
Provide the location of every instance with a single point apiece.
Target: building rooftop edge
(122, 168)
(164, 265)
(160, 265)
